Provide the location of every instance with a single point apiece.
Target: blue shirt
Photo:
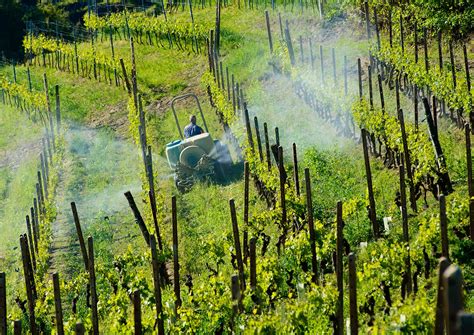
(192, 130)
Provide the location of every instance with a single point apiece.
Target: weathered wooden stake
(425, 48)
(439, 320)
(238, 250)
(312, 233)
(282, 174)
(267, 146)
(406, 238)
(339, 267)
(137, 312)
(48, 104)
(79, 329)
(31, 242)
(407, 156)
(469, 179)
(93, 287)
(359, 71)
(17, 327)
(138, 217)
(353, 313)
(452, 297)
(248, 127)
(157, 287)
(269, 32)
(372, 211)
(177, 288)
(295, 170)
(80, 236)
(259, 141)
(29, 285)
(58, 110)
(3, 303)
(57, 304)
(236, 293)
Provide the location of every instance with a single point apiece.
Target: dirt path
(63, 227)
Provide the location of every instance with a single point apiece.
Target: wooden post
(353, 313)
(248, 127)
(79, 329)
(367, 20)
(259, 141)
(440, 50)
(312, 233)
(289, 44)
(3, 303)
(444, 227)
(34, 228)
(406, 238)
(415, 104)
(444, 177)
(267, 146)
(138, 217)
(371, 94)
(470, 185)
(37, 218)
(402, 42)
(407, 156)
(425, 48)
(157, 287)
(57, 304)
(93, 289)
(236, 293)
(282, 174)
(359, 71)
(80, 236)
(267, 18)
(238, 250)
(137, 312)
(29, 285)
(31, 244)
(246, 208)
(311, 55)
(125, 77)
(177, 289)
(334, 74)
(415, 31)
(377, 29)
(17, 327)
(372, 211)
(382, 100)
(277, 136)
(58, 110)
(390, 30)
(48, 105)
(452, 297)
(339, 267)
(253, 263)
(295, 171)
(439, 320)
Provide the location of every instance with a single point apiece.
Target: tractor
(199, 157)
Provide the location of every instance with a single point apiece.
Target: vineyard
(334, 194)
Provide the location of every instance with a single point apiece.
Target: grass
(101, 167)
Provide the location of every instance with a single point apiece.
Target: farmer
(192, 129)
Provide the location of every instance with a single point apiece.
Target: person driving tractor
(192, 129)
